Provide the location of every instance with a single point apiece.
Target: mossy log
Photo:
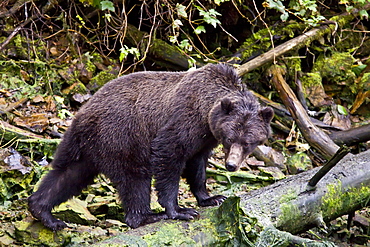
(327, 28)
(284, 208)
(159, 51)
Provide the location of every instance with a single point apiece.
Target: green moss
(169, 235)
(311, 80)
(293, 65)
(299, 162)
(260, 41)
(365, 82)
(289, 196)
(19, 48)
(37, 235)
(336, 200)
(336, 68)
(288, 209)
(100, 79)
(290, 213)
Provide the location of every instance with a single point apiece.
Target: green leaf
(342, 110)
(125, 51)
(177, 23)
(358, 69)
(363, 14)
(284, 16)
(278, 5)
(209, 16)
(218, 2)
(173, 39)
(184, 44)
(181, 10)
(199, 30)
(213, 12)
(107, 5)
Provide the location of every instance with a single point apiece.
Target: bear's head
(240, 124)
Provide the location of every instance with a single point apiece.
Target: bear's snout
(234, 157)
(231, 167)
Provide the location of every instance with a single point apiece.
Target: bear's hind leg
(134, 192)
(195, 174)
(59, 185)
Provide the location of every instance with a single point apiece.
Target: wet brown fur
(153, 124)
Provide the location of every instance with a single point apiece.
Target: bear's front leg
(168, 152)
(195, 174)
(134, 191)
(167, 187)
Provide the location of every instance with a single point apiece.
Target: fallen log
(288, 205)
(291, 206)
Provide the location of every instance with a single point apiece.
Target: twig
(50, 4)
(14, 9)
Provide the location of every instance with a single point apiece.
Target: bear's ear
(267, 114)
(226, 105)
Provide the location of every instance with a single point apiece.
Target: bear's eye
(229, 140)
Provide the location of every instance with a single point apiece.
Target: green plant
(125, 51)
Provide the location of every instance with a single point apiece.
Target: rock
(298, 163)
(34, 233)
(75, 211)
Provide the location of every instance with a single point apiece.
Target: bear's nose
(230, 166)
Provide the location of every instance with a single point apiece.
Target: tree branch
(313, 135)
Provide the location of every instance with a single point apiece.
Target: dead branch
(314, 136)
(351, 136)
(17, 5)
(46, 8)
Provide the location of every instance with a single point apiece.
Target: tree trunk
(289, 205)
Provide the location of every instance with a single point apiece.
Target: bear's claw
(212, 201)
(184, 214)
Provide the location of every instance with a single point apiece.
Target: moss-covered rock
(299, 162)
(101, 78)
(75, 211)
(336, 68)
(314, 90)
(34, 233)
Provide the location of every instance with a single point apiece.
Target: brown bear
(160, 125)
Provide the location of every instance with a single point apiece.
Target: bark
(289, 205)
